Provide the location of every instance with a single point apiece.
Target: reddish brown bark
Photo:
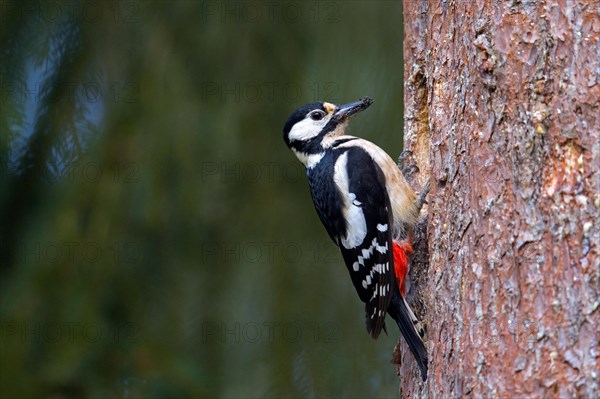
(502, 114)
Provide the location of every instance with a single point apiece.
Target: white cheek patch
(357, 225)
(307, 129)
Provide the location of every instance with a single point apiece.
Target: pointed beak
(346, 110)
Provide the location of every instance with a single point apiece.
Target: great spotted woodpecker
(368, 209)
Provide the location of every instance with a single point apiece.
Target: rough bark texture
(502, 115)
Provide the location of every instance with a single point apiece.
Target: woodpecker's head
(306, 128)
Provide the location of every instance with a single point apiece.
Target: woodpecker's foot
(421, 200)
(402, 157)
(409, 170)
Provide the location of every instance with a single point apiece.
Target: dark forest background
(157, 236)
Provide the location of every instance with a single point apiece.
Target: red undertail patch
(401, 252)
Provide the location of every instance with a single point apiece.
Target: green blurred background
(157, 236)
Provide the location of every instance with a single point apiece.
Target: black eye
(317, 115)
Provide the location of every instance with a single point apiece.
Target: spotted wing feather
(372, 275)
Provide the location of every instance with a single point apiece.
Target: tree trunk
(502, 115)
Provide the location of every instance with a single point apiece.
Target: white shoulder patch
(357, 225)
(402, 196)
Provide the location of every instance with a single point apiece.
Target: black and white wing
(360, 224)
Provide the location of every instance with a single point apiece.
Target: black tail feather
(402, 315)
